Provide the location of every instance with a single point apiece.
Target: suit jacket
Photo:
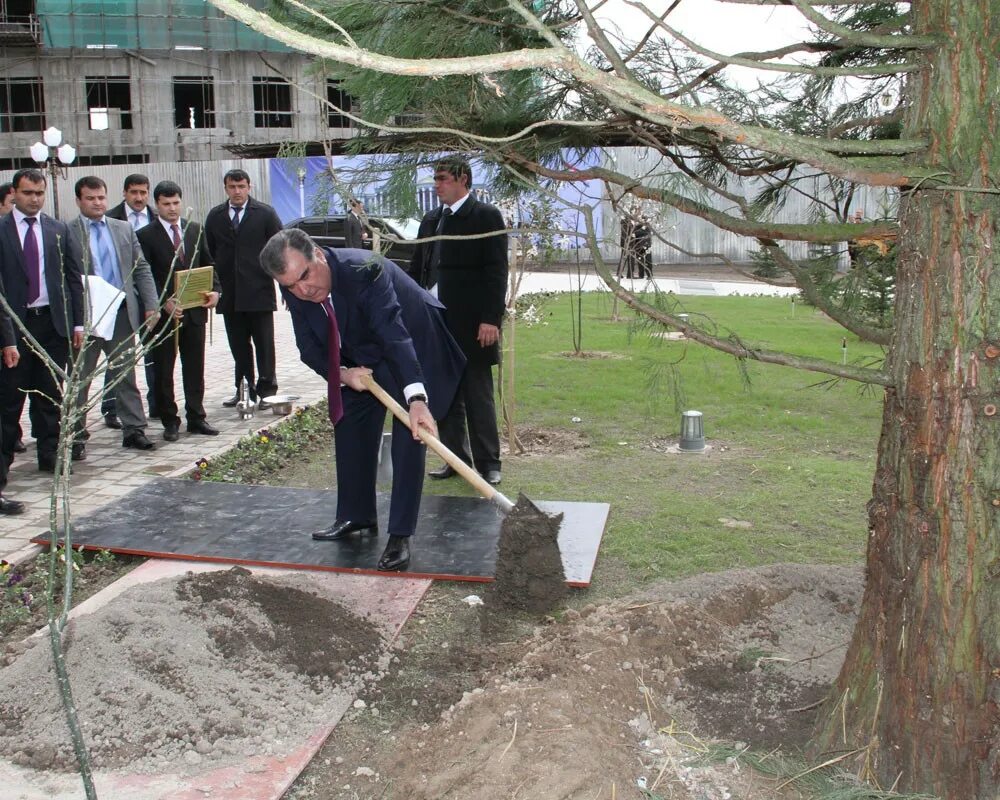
(6, 326)
(121, 211)
(236, 254)
(137, 278)
(386, 322)
(472, 275)
(352, 232)
(159, 253)
(61, 268)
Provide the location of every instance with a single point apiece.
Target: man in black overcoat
(470, 276)
(236, 231)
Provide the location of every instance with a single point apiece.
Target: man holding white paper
(121, 298)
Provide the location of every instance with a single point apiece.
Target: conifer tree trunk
(919, 693)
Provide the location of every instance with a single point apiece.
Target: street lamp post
(56, 155)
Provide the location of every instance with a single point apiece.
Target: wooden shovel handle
(473, 478)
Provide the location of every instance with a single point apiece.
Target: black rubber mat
(456, 537)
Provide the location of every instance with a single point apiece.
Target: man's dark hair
(456, 166)
(272, 257)
(135, 179)
(89, 182)
(235, 175)
(167, 189)
(5, 189)
(31, 174)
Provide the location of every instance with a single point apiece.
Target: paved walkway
(112, 471)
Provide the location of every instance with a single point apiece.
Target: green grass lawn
(793, 459)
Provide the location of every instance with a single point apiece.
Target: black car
(395, 235)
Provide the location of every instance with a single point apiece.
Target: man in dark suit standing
(355, 316)
(354, 235)
(471, 280)
(172, 244)
(236, 231)
(136, 211)
(41, 280)
(108, 249)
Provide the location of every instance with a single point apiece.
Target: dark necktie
(335, 401)
(237, 210)
(178, 243)
(436, 251)
(31, 266)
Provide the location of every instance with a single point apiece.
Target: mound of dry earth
(613, 699)
(188, 672)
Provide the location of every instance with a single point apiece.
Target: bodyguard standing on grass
(236, 231)
(471, 279)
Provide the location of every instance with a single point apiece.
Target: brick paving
(111, 471)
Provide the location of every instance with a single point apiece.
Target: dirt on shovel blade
(529, 573)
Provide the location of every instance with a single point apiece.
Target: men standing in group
(136, 211)
(471, 279)
(356, 315)
(354, 233)
(236, 231)
(109, 249)
(40, 276)
(171, 244)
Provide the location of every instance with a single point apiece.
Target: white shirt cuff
(412, 389)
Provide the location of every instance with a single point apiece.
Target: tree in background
(917, 703)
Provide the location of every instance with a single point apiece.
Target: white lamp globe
(52, 137)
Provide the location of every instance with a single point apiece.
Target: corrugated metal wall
(201, 182)
(697, 235)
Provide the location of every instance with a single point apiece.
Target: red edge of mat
(44, 540)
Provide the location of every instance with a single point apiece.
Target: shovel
(473, 478)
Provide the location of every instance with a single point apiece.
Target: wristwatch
(414, 397)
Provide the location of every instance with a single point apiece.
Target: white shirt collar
(20, 216)
(457, 204)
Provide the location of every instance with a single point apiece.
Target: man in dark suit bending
(357, 314)
(171, 244)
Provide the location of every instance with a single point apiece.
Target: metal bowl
(281, 404)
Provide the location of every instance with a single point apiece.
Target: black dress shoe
(263, 405)
(396, 555)
(341, 530)
(11, 507)
(492, 477)
(171, 432)
(137, 441)
(19, 446)
(112, 421)
(230, 402)
(78, 452)
(202, 427)
(444, 472)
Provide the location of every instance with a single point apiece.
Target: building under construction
(137, 81)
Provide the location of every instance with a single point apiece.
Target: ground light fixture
(692, 432)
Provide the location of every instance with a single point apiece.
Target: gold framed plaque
(191, 284)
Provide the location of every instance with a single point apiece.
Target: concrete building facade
(139, 81)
